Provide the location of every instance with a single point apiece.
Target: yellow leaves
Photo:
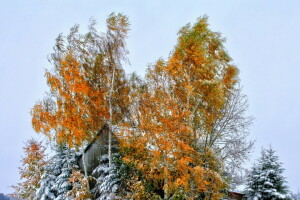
(181, 182)
(164, 129)
(76, 109)
(161, 118)
(229, 78)
(189, 89)
(74, 79)
(118, 23)
(182, 101)
(42, 119)
(127, 160)
(80, 186)
(31, 170)
(157, 153)
(138, 190)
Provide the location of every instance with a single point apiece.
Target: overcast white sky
(263, 38)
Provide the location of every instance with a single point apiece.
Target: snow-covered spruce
(55, 180)
(265, 180)
(107, 183)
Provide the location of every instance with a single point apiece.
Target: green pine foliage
(55, 182)
(265, 180)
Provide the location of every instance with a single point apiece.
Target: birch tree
(189, 105)
(87, 84)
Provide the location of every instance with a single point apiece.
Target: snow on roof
(240, 188)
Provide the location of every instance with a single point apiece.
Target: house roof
(237, 193)
(100, 132)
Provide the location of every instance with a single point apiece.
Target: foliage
(108, 179)
(172, 121)
(177, 129)
(81, 86)
(265, 181)
(55, 181)
(80, 187)
(33, 165)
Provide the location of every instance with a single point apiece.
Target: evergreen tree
(108, 178)
(265, 181)
(107, 174)
(45, 192)
(55, 182)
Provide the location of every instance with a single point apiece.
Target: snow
(240, 188)
(107, 181)
(265, 180)
(55, 181)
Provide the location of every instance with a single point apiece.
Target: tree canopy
(177, 128)
(86, 78)
(265, 180)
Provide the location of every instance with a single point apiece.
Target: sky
(262, 38)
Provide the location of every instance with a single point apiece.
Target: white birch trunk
(110, 120)
(84, 168)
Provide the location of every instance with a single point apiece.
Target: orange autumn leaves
(77, 109)
(163, 120)
(80, 82)
(163, 136)
(180, 102)
(32, 169)
(202, 73)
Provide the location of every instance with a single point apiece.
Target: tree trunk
(166, 191)
(84, 168)
(110, 119)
